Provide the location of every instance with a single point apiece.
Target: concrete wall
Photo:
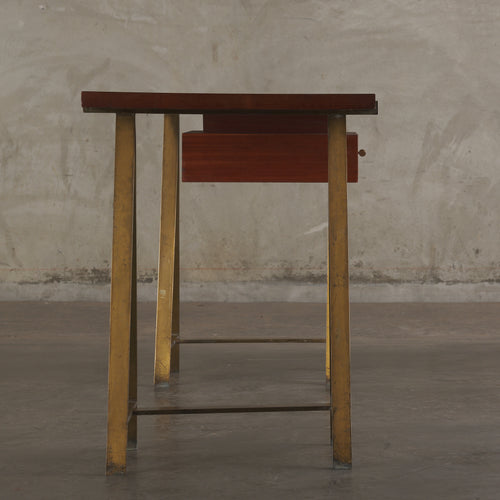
(424, 218)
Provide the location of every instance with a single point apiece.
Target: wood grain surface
(186, 103)
(270, 157)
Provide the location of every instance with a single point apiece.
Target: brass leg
(327, 340)
(132, 425)
(166, 314)
(327, 349)
(121, 294)
(175, 347)
(338, 288)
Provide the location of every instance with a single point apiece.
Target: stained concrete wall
(424, 218)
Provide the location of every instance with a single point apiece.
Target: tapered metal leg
(175, 347)
(327, 346)
(167, 315)
(132, 425)
(121, 294)
(338, 293)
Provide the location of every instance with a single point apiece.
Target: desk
(218, 108)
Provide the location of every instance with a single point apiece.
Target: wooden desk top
(151, 102)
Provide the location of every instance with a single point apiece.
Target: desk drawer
(261, 157)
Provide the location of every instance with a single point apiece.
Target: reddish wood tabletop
(188, 103)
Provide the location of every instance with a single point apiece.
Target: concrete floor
(425, 405)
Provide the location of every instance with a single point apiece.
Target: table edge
(193, 103)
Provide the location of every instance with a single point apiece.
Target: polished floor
(425, 405)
